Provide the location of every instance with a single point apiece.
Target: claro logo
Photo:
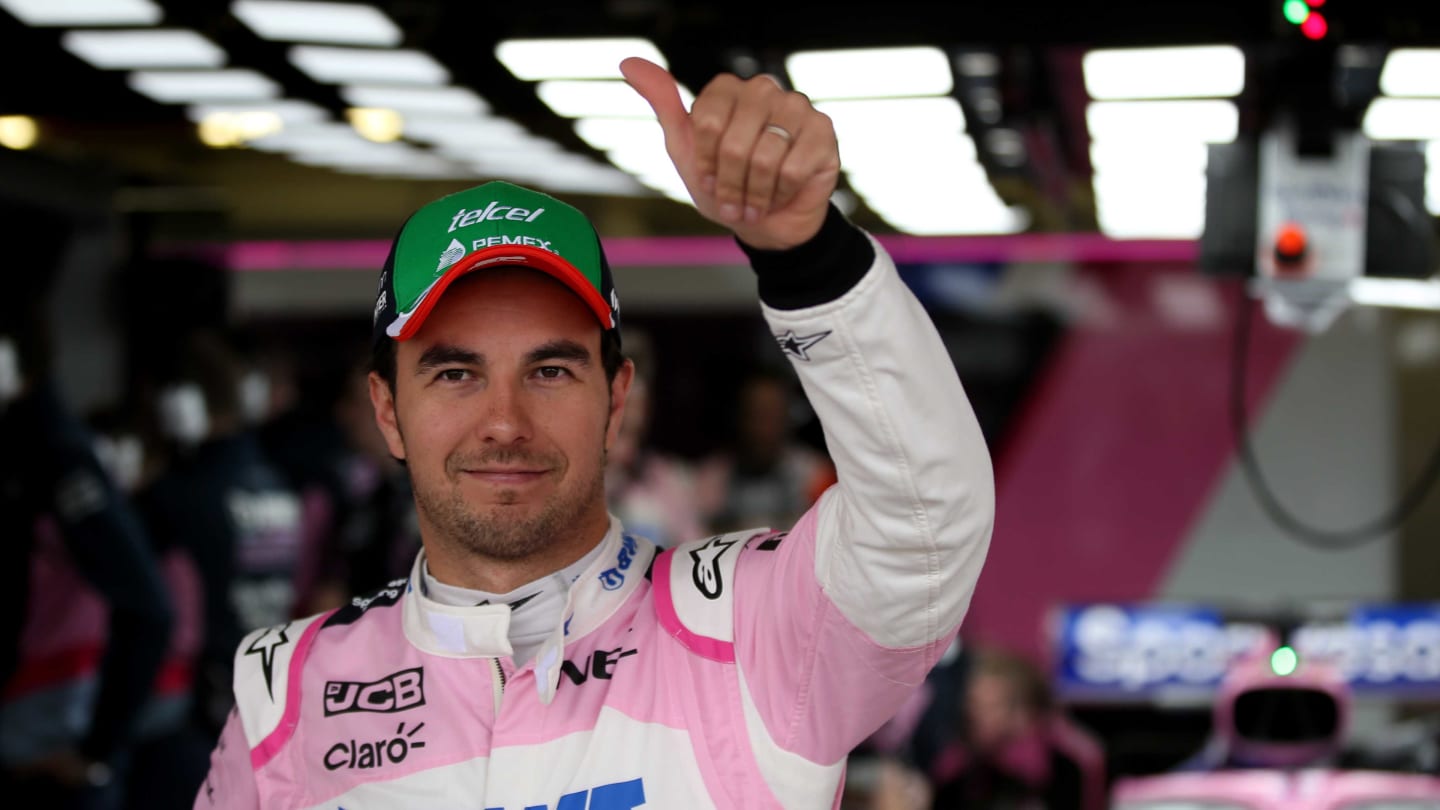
(395, 692)
(363, 754)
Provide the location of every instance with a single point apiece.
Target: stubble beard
(503, 532)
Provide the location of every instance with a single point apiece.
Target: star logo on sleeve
(706, 571)
(264, 646)
(798, 346)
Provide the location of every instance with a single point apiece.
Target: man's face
(503, 415)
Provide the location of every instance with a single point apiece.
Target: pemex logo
(452, 254)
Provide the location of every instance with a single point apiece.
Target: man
(539, 657)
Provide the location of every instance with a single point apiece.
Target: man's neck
(453, 565)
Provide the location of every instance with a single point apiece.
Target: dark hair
(382, 357)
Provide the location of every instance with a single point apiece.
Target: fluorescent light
(143, 49)
(905, 153)
(535, 59)
(180, 86)
(1203, 71)
(602, 99)
(1154, 216)
(1403, 119)
(641, 160)
(893, 118)
(1178, 157)
(338, 23)
(612, 133)
(369, 155)
(1213, 121)
(321, 137)
(362, 65)
(288, 110)
(1411, 72)
(473, 133)
(870, 73)
(936, 212)
(83, 12)
(1395, 292)
(416, 100)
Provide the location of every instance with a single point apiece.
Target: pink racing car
(1277, 738)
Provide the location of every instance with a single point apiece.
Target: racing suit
(733, 671)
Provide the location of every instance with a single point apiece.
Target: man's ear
(383, 400)
(619, 390)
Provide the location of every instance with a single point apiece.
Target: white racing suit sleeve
(837, 623)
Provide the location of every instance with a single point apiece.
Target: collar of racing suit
(483, 631)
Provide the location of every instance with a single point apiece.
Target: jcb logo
(394, 693)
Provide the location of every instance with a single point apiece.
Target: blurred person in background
(223, 503)
(370, 533)
(652, 493)
(766, 477)
(74, 550)
(540, 656)
(1016, 750)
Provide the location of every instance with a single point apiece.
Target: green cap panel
(486, 218)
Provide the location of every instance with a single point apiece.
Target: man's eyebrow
(445, 354)
(558, 350)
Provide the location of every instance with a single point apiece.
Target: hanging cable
(1316, 537)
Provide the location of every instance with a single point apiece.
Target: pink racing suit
(736, 671)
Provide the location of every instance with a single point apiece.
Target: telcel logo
(493, 212)
(395, 692)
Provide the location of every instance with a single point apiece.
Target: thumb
(661, 91)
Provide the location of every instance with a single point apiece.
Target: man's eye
(453, 375)
(552, 372)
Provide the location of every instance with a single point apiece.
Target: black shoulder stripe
(384, 597)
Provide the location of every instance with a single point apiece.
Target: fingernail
(729, 212)
(752, 214)
(707, 184)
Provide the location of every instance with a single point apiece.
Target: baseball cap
(497, 224)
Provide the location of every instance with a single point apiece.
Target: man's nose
(506, 417)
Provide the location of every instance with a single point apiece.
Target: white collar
(483, 631)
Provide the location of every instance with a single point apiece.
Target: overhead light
(1200, 71)
(152, 48)
(314, 138)
(368, 155)
(416, 101)
(288, 110)
(1177, 157)
(906, 153)
(225, 129)
(613, 133)
(885, 118)
(83, 12)
(1127, 212)
(1411, 72)
(1209, 120)
(472, 133)
(362, 65)
(1395, 292)
(338, 23)
(1403, 119)
(870, 73)
(18, 131)
(535, 59)
(376, 123)
(180, 86)
(601, 99)
(641, 160)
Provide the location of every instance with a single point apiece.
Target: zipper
(498, 684)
